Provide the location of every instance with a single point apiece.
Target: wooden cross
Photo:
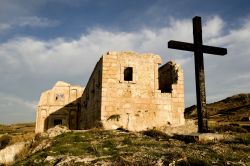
(198, 48)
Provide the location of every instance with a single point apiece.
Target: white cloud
(63, 58)
(213, 28)
(34, 21)
(15, 109)
(28, 21)
(54, 56)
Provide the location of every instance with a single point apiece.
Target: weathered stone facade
(124, 91)
(60, 105)
(129, 90)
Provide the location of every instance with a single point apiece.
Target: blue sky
(43, 41)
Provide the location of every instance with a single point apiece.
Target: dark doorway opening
(57, 122)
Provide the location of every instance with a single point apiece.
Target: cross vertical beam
(198, 48)
(199, 76)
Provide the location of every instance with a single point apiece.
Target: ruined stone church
(125, 90)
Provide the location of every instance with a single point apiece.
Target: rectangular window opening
(128, 74)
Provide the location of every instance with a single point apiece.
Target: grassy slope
(16, 133)
(129, 148)
(231, 109)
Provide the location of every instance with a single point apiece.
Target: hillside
(152, 147)
(232, 109)
(119, 147)
(10, 134)
(16, 129)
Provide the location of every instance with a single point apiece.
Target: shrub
(246, 127)
(127, 141)
(98, 125)
(156, 134)
(23, 153)
(22, 137)
(195, 161)
(185, 138)
(243, 139)
(4, 141)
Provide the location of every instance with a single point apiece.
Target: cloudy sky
(42, 41)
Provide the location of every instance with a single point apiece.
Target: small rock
(43, 145)
(69, 160)
(53, 159)
(57, 130)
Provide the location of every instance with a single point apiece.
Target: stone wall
(138, 104)
(59, 105)
(91, 99)
(171, 80)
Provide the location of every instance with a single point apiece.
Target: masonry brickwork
(138, 103)
(129, 90)
(60, 105)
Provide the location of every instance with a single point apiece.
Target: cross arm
(180, 45)
(214, 50)
(190, 47)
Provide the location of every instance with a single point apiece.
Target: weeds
(156, 134)
(228, 128)
(98, 125)
(194, 162)
(4, 141)
(147, 148)
(243, 139)
(127, 141)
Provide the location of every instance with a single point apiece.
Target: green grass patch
(148, 148)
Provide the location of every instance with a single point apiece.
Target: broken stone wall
(135, 104)
(171, 80)
(167, 76)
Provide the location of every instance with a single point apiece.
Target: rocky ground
(119, 147)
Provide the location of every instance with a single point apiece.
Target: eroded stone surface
(57, 130)
(136, 101)
(8, 154)
(60, 105)
(125, 90)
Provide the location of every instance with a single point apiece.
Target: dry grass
(23, 137)
(234, 109)
(4, 141)
(130, 148)
(147, 148)
(18, 132)
(14, 129)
